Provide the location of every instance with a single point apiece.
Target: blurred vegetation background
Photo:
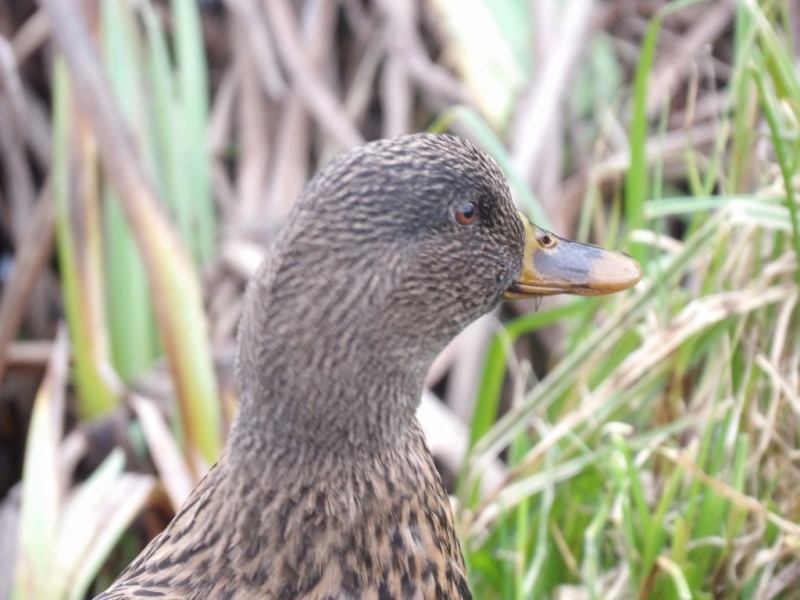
(639, 446)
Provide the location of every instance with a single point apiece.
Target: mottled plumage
(360, 534)
(326, 489)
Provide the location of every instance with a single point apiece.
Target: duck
(326, 488)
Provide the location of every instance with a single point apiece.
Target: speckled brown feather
(362, 535)
(326, 488)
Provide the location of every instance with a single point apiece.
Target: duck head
(388, 253)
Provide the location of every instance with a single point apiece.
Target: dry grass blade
(533, 134)
(396, 93)
(29, 112)
(176, 475)
(32, 255)
(749, 503)
(12, 140)
(316, 95)
(289, 172)
(91, 521)
(697, 316)
(251, 26)
(9, 526)
(667, 76)
(255, 147)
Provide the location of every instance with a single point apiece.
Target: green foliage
(165, 101)
(134, 339)
(81, 270)
(656, 458)
(637, 463)
(66, 534)
(113, 301)
(492, 53)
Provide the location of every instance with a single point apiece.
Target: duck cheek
(484, 293)
(493, 277)
(505, 278)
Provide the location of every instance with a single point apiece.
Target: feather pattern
(326, 488)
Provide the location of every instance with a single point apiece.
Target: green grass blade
(131, 317)
(79, 259)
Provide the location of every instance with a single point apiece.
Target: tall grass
(66, 534)
(126, 270)
(656, 459)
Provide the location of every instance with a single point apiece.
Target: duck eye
(466, 213)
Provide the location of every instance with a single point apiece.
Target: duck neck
(322, 382)
(296, 402)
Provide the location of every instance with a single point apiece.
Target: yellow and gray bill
(554, 265)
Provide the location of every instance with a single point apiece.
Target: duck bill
(554, 265)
